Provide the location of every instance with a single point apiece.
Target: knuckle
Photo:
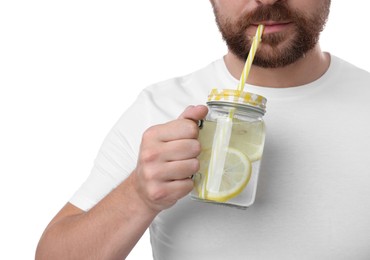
(197, 148)
(192, 129)
(150, 174)
(188, 186)
(156, 193)
(188, 168)
(149, 133)
(195, 165)
(149, 155)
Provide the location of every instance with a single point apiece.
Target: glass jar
(232, 137)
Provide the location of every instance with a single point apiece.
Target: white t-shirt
(313, 196)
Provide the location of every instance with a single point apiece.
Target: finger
(178, 129)
(179, 170)
(179, 188)
(186, 127)
(194, 113)
(180, 150)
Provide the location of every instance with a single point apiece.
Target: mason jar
(232, 138)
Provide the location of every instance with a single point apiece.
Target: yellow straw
(248, 64)
(252, 53)
(223, 128)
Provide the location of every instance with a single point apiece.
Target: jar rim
(237, 105)
(238, 98)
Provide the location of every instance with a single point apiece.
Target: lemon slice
(253, 151)
(249, 138)
(236, 175)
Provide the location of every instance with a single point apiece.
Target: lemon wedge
(236, 175)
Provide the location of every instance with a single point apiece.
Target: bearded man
(313, 196)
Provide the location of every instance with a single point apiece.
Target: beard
(277, 49)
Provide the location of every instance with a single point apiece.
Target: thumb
(194, 113)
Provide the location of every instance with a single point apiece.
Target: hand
(168, 159)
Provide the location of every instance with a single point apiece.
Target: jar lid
(238, 97)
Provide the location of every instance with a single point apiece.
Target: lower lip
(273, 28)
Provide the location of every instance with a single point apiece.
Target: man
(313, 198)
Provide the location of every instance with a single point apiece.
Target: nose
(268, 2)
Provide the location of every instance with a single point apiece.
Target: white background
(68, 69)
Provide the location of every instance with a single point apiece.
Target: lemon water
(241, 167)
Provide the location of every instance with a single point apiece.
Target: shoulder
(190, 82)
(165, 100)
(179, 92)
(348, 79)
(345, 69)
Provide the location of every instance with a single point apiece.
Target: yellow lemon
(236, 175)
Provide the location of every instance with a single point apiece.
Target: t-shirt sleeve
(117, 155)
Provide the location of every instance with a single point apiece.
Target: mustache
(278, 11)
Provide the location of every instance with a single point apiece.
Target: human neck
(305, 70)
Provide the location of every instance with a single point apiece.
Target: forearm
(108, 231)
(166, 160)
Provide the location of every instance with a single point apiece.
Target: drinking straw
(224, 128)
(252, 52)
(248, 64)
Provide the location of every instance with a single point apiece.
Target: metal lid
(238, 97)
